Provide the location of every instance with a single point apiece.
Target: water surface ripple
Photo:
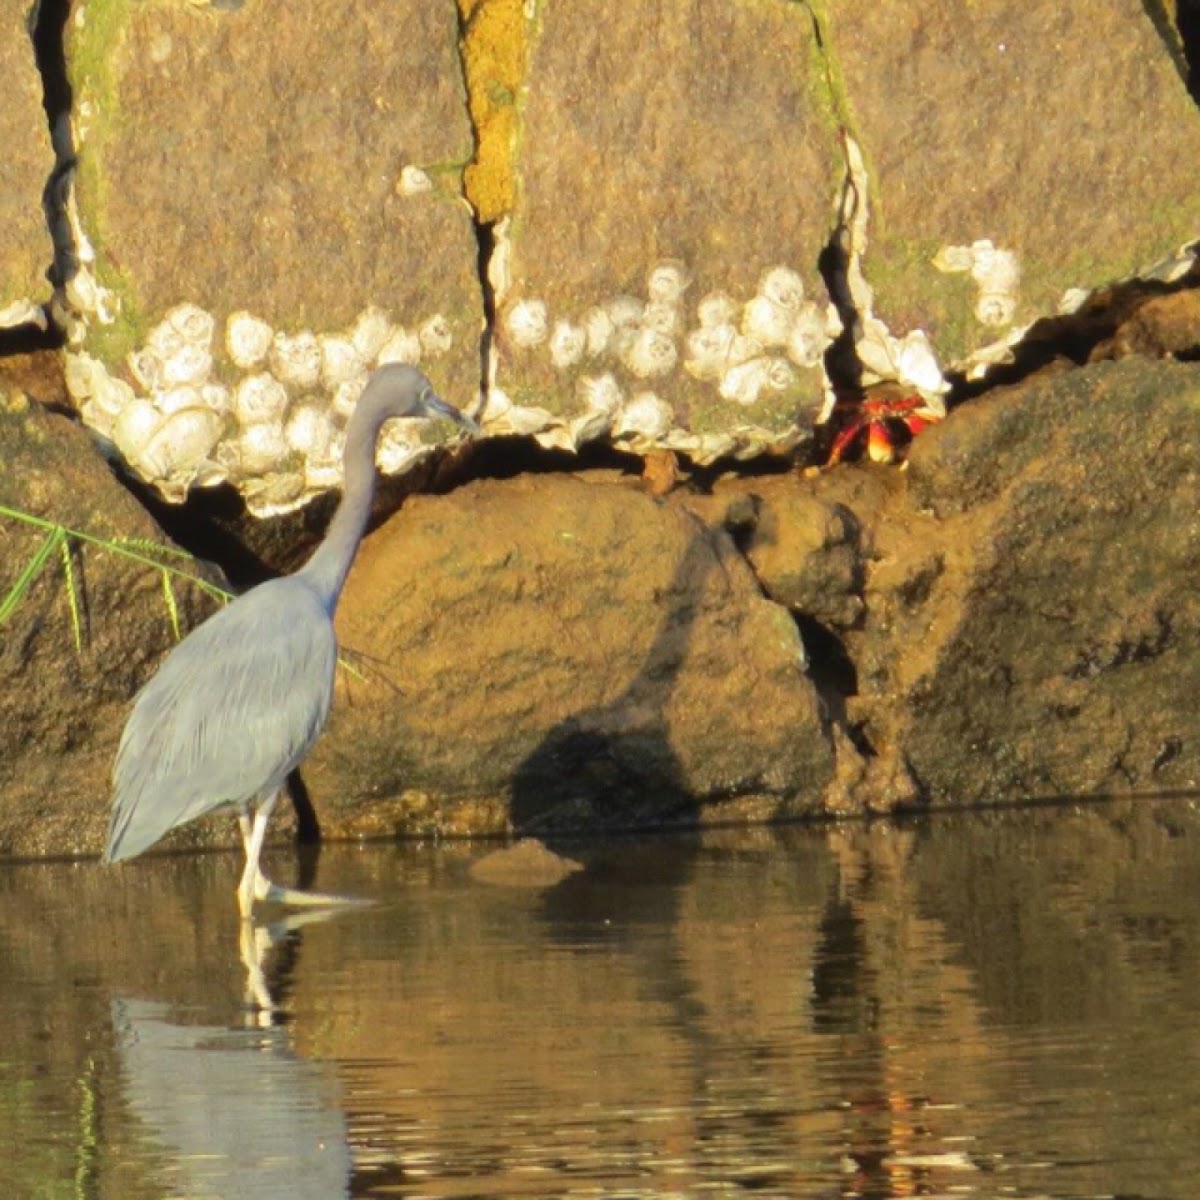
(968, 1006)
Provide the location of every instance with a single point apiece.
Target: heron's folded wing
(233, 708)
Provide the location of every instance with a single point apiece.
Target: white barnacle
(666, 282)
(370, 333)
(567, 344)
(436, 336)
(746, 382)
(708, 351)
(180, 445)
(217, 397)
(192, 324)
(146, 367)
(111, 395)
(323, 472)
(666, 318)
(767, 321)
(809, 337)
(83, 373)
(248, 339)
(340, 360)
(995, 270)
(527, 323)
(598, 326)
(401, 346)
(917, 366)
(346, 395)
(107, 399)
(717, 308)
(259, 398)
(261, 447)
(413, 181)
(996, 308)
(308, 429)
(780, 374)
(296, 359)
(176, 399)
(625, 312)
(399, 447)
(743, 348)
(189, 364)
(135, 424)
(782, 286)
(650, 354)
(645, 417)
(164, 340)
(600, 393)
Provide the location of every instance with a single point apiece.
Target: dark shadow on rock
(613, 766)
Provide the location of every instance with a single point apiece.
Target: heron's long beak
(435, 406)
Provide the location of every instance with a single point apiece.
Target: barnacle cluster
(627, 351)
(996, 273)
(265, 409)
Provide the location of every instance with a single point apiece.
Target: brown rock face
(25, 249)
(253, 159)
(550, 652)
(673, 133)
(1060, 133)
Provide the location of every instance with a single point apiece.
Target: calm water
(963, 1007)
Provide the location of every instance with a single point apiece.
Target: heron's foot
(272, 893)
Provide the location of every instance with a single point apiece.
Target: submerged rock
(526, 863)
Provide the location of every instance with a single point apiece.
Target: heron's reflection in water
(236, 1112)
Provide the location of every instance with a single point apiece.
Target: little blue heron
(240, 701)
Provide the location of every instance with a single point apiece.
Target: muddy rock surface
(62, 707)
(1013, 616)
(1033, 628)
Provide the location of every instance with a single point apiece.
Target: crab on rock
(888, 417)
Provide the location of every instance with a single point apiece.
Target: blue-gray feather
(232, 710)
(238, 704)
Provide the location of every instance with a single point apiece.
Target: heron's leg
(254, 885)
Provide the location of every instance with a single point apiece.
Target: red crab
(890, 419)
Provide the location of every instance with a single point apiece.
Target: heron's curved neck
(329, 566)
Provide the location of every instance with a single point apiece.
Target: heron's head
(399, 390)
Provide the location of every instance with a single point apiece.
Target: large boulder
(551, 652)
(1018, 156)
(1033, 626)
(269, 203)
(657, 280)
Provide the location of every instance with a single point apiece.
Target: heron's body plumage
(237, 705)
(227, 717)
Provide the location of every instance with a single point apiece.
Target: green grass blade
(15, 593)
(64, 545)
(172, 606)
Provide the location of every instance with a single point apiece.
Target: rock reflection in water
(972, 1006)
